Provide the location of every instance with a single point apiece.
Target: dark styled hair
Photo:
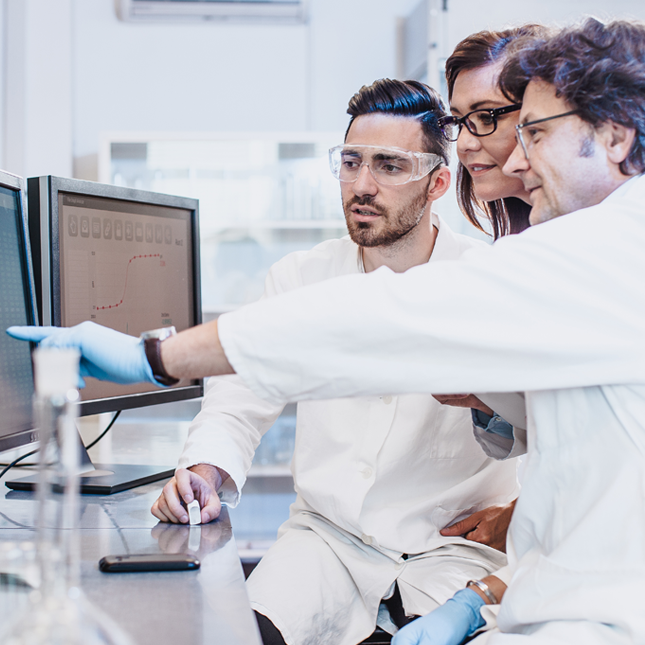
(404, 98)
(598, 69)
(508, 215)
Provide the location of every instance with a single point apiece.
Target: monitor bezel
(17, 184)
(43, 203)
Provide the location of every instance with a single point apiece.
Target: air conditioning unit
(263, 11)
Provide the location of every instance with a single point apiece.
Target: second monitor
(127, 259)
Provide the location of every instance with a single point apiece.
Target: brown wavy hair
(598, 68)
(511, 214)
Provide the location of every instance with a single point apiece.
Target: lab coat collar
(448, 246)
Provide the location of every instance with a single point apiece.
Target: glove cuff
(472, 602)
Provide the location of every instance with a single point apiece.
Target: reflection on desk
(205, 606)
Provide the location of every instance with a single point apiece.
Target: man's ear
(439, 183)
(617, 140)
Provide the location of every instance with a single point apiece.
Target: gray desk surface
(205, 606)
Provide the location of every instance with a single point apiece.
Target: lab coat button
(367, 472)
(366, 539)
(387, 399)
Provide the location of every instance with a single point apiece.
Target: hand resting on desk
(200, 482)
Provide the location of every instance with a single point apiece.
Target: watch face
(162, 333)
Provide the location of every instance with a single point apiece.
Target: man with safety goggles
(370, 472)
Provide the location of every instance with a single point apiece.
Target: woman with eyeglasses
(483, 125)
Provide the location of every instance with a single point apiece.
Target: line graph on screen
(125, 285)
(131, 282)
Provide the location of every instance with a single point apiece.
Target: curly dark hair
(509, 215)
(404, 98)
(598, 68)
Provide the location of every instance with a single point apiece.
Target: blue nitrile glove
(106, 354)
(448, 624)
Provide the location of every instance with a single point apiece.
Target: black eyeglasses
(480, 123)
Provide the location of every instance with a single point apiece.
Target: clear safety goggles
(389, 166)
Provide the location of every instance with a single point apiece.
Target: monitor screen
(123, 258)
(16, 308)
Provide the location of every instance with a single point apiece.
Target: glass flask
(58, 612)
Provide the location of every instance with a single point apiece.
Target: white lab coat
(376, 477)
(563, 318)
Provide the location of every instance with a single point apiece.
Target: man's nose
(365, 184)
(517, 163)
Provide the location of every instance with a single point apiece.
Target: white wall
(468, 16)
(71, 70)
(178, 77)
(37, 87)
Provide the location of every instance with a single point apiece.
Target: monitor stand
(104, 479)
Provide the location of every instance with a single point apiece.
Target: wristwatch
(152, 345)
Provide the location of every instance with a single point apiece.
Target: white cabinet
(261, 196)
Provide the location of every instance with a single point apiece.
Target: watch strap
(152, 348)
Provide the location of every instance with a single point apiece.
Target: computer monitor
(124, 258)
(17, 307)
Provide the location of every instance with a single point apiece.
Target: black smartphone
(148, 562)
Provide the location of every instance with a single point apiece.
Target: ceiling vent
(246, 11)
